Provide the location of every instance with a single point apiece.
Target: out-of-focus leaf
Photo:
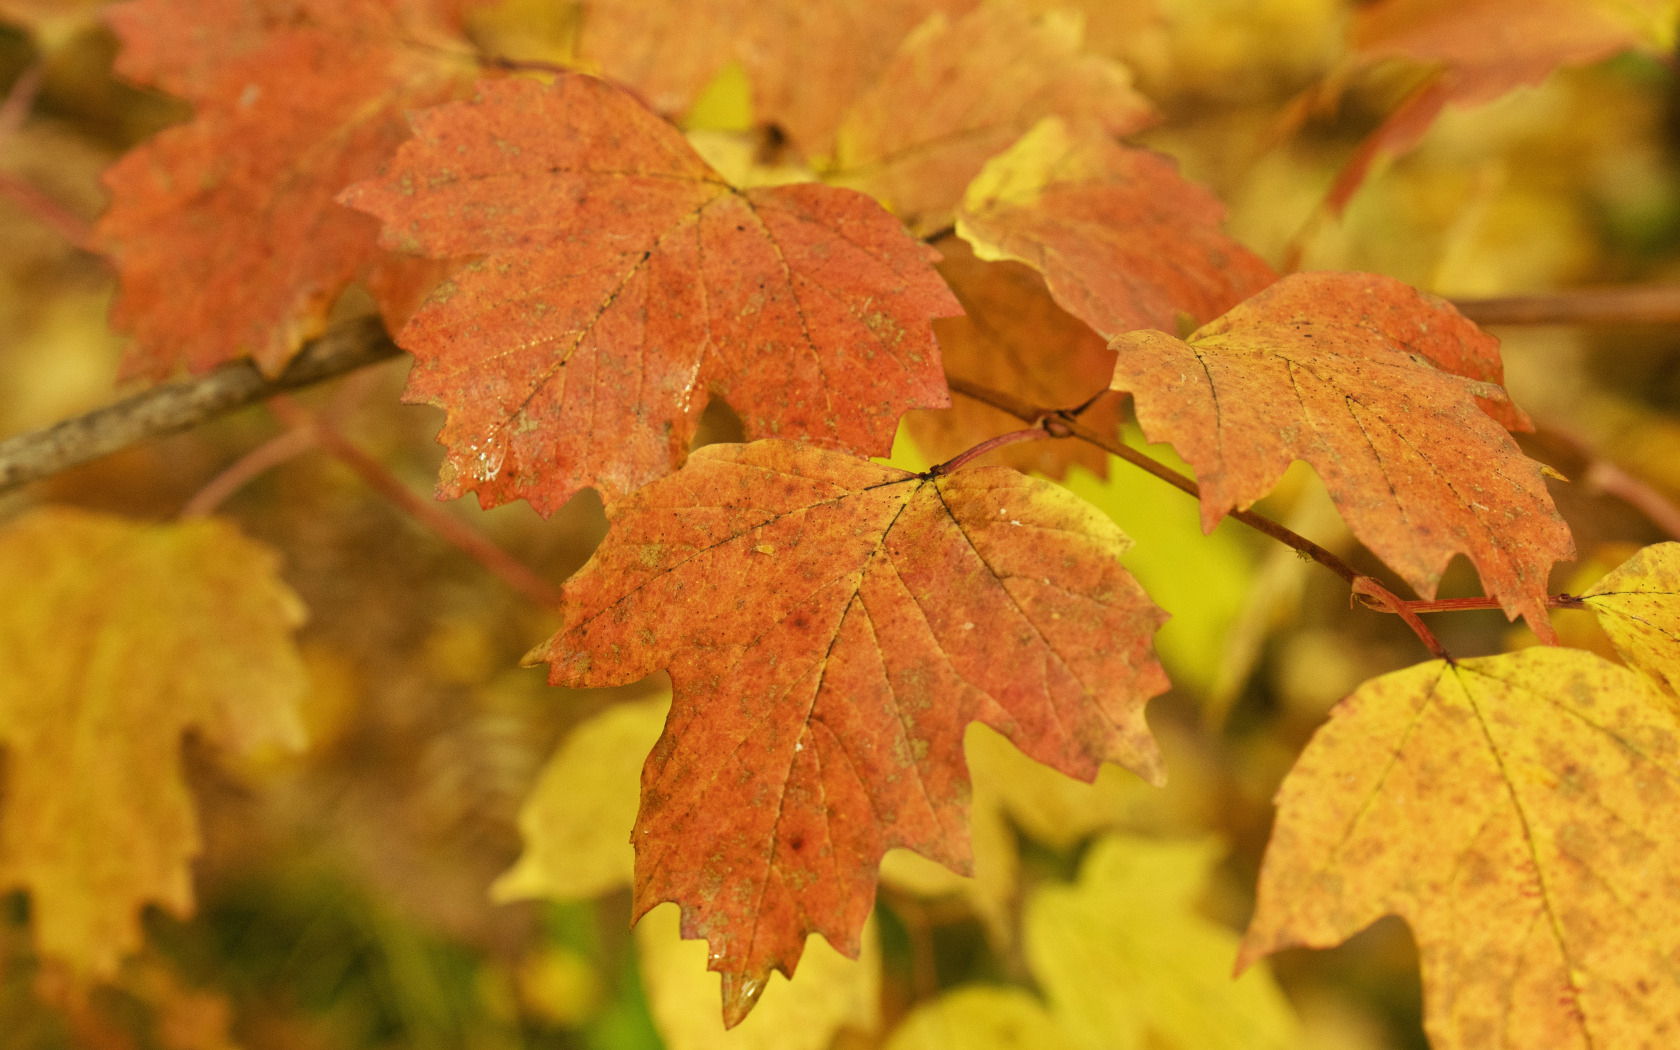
(116, 639)
(577, 822)
(1124, 241)
(981, 1018)
(828, 993)
(1126, 960)
(959, 92)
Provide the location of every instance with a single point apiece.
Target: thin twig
(1417, 605)
(181, 405)
(1056, 421)
(265, 457)
(963, 458)
(1658, 304)
(451, 529)
(45, 210)
(1381, 597)
(1612, 480)
(20, 99)
(270, 454)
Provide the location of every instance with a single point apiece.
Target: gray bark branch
(186, 403)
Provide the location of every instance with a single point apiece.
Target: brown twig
(45, 210)
(1013, 437)
(1658, 304)
(1612, 480)
(451, 529)
(265, 457)
(1375, 596)
(1062, 424)
(1418, 605)
(181, 405)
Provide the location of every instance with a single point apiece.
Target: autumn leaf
(1520, 819)
(1014, 793)
(1124, 957)
(1638, 605)
(117, 639)
(576, 824)
(830, 992)
(830, 627)
(981, 1017)
(1481, 49)
(1377, 387)
(805, 61)
(624, 280)
(1122, 239)
(960, 91)
(1014, 337)
(225, 234)
(1125, 962)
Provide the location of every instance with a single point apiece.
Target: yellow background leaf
(980, 1018)
(828, 992)
(117, 638)
(1126, 960)
(577, 822)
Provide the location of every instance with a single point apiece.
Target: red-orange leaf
(1376, 386)
(1014, 337)
(806, 61)
(831, 626)
(624, 280)
(959, 92)
(1123, 240)
(1483, 48)
(225, 233)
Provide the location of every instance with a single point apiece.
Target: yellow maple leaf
(1517, 811)
(117, 638)
(1013, 791)
(1126, 960)
(1638, 605)
(828, 992)
(981, 1018)
(577, 825)
(577, 822)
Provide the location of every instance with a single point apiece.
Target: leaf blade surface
(831, 626)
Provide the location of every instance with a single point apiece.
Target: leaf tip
(741, 993)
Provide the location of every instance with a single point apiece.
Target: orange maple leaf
(1014, 337)
(1481, 49)
(831, 627)
(958, 92)
(1377, 386)
(1122, 239)
(225, 233)
(624, 280)
(805, 61)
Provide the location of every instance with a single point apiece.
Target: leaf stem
(962, 459)
(1374, 595)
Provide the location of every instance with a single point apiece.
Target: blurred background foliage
(345, 893)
